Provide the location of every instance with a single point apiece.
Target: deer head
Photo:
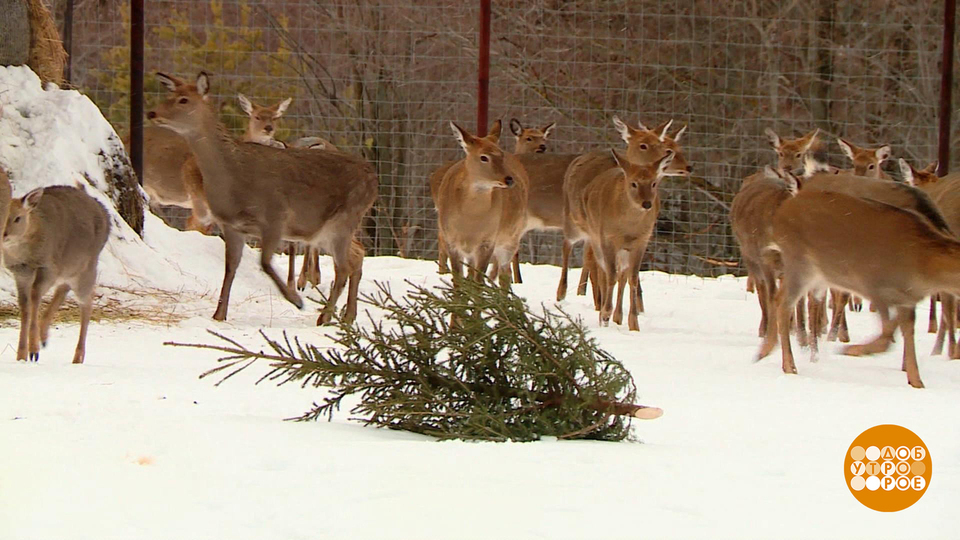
(866, 161)
(484, 158)
(919, 178)
(641, 181)
(185, 111)
(261, 125)
(649, 145)
(530, 140)
(790, 152)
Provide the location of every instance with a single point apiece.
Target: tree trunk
(14, 33)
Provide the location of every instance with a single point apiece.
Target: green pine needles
(499, 373)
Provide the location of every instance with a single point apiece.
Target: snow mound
(59, 137)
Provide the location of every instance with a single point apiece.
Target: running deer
(295, 194)
(644, 146)
(53, 238)
(481, 204)
(751, 217)
(866, 161)
(530, 141)
(888, 254)
(616, 212)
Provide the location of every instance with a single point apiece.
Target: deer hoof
(34, 357)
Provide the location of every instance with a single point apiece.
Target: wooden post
(136, 87)
(483, 89)
(946, 85)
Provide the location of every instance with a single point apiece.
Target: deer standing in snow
(294, 194)
(53, 239)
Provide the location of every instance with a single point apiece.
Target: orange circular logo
(888, 468)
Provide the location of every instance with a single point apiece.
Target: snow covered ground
(133, 445)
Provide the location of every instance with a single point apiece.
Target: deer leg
(818, 306)
(879, 344)
(609, 272)
(83, 288)
(36, 293)
(442, 254)
(639, 293)
(314, 276)
(839, 304)
(801, 321)
(482, 260)
(342, 269)
(292, 267)
(564, 268)
(856, 304)
(58, 295)
(24, 285)
(304, 269)
(353, 291)
(233, 247)
(270, 238)
(789, 296)
(516, 268)
(621, 285)
(751, 283)
(589, 265)
(844, 333)
(932, 323)
(906, 317)
(948, 323)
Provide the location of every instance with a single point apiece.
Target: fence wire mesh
(383, 78)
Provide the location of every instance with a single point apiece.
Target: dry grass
(150, 306)
(47, 57)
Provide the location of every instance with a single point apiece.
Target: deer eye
(654, 185)
(799, 154)
(183, 101)
(16, 219)
(529, 138)
(871, 166)
(633, 185)
(644, 147)
(484, 159)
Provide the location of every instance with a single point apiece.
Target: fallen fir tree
(500, 373)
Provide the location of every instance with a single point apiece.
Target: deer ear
(168, 82)
(679, 133)
(548, 129)
(626, 132)
(203, 83)
(494, 134)
(773, 137)
(906, 170)
(245, 104)
(32, 199)
(846, 147)
(515, 127)
(282, 107)
(664, 162)
(466, 140)
(932, 168)
(811, 139)
(883, 153)
(619, 158)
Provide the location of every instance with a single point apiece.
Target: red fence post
(136, 87)
(483, 89)
(946, 85)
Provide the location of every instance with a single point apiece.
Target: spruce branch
(500, 373)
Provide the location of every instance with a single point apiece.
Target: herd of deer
(847, 231)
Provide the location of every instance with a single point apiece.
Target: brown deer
(923, 179)
(530, 141)
(751, 216)
(888, 254)
(866, 161)
(481, 204)
(295, 194)
(790, 156)
(644, 146)
(53, 238)
(616, 213)
(170, 172)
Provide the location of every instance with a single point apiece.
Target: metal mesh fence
(383, 77)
